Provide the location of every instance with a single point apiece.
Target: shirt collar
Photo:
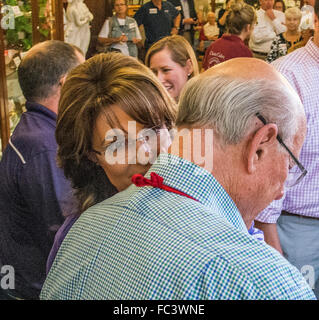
(232, 37)
(39, 108)
(312, 49)
(198, 183)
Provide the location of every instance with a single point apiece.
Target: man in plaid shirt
(181, 232)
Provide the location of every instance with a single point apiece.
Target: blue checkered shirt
(147, 243)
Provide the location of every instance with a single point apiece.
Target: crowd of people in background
(236, 30)
(89, 228)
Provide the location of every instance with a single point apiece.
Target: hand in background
(270, 14)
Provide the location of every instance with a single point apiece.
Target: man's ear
(260, 145)
(62, 80)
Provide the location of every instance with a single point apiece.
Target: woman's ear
(189, 67)
(248, 28)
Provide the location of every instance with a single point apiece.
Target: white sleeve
(104, 33)
(278, 23)
(262, 34)
(138, 34)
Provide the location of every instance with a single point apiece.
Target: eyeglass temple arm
(263, 120)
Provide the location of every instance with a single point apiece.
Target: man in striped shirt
(182, 231)
(297, 213)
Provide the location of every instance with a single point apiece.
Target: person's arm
(188, 21)
(212, 38)
(177, 21)
(109, 41)
(138, 37)
(277, 22)
(270, 234)
(262, 34)
(262, 31)
(222, 20)
(103, 35)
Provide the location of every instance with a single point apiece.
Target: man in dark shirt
(160, 19)
(188, 18)
(34, 194)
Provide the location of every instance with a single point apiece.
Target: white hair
(230, 106)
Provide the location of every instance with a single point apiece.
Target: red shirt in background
(227, 47)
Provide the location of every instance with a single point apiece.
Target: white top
(104, 33)
(211, 31)
(266, 30)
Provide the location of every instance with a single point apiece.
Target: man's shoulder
(169, 4)
(31, 139)
(147, 5)
(270, 275)
(293, 61)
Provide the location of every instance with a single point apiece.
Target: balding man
(34, 193)
(181, 232)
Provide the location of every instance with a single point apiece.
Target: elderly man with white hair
(181, 232)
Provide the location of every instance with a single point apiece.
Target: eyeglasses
(147, 138)
(297, 170)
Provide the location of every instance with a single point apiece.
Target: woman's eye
(116, 146)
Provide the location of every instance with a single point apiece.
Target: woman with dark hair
(280, 5)
(239, 24)
(104, 103)
(174, 62)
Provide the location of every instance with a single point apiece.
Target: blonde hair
(295, 12)
(180, 50)
(240, 15)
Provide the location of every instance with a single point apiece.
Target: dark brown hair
(44, 66)
(91, 88)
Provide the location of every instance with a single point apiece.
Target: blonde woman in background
(288, 39)
(173, 61)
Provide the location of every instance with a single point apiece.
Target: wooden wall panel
(4, 116)
(101, 9)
